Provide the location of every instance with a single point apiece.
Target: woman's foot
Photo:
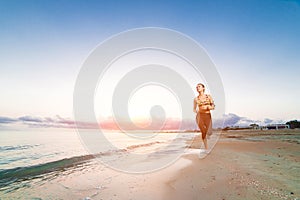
(203, 153)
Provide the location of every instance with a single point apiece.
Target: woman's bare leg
(205, 143)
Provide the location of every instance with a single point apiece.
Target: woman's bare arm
(195, 106)
(212, 104)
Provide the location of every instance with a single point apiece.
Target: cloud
(228, 120)
(30, 119)
(127, 124)
(268, 121)
(7, 120)
(233, 120)
(47, 122)
(60, 122)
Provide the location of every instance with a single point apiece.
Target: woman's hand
(207, 108)
(204, 108)
(211, 107)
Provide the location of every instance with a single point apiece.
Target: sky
(254, 44)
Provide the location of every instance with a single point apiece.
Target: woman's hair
(201, 85)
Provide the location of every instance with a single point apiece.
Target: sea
(34, 156)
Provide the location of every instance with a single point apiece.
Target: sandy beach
(241, 169)
(243, 165)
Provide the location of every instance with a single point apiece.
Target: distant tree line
(294, 124)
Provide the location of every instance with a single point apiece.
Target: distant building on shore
(277, 126)
(257, 127)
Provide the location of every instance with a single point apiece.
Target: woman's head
(200, 87)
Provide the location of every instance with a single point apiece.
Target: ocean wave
(142, 145)
(17, 147)
(12, 179)
(19, 174)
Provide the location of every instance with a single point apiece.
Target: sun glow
(150, 97)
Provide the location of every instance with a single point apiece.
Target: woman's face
(200, 88)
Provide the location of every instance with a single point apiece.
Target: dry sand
(240, 169)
